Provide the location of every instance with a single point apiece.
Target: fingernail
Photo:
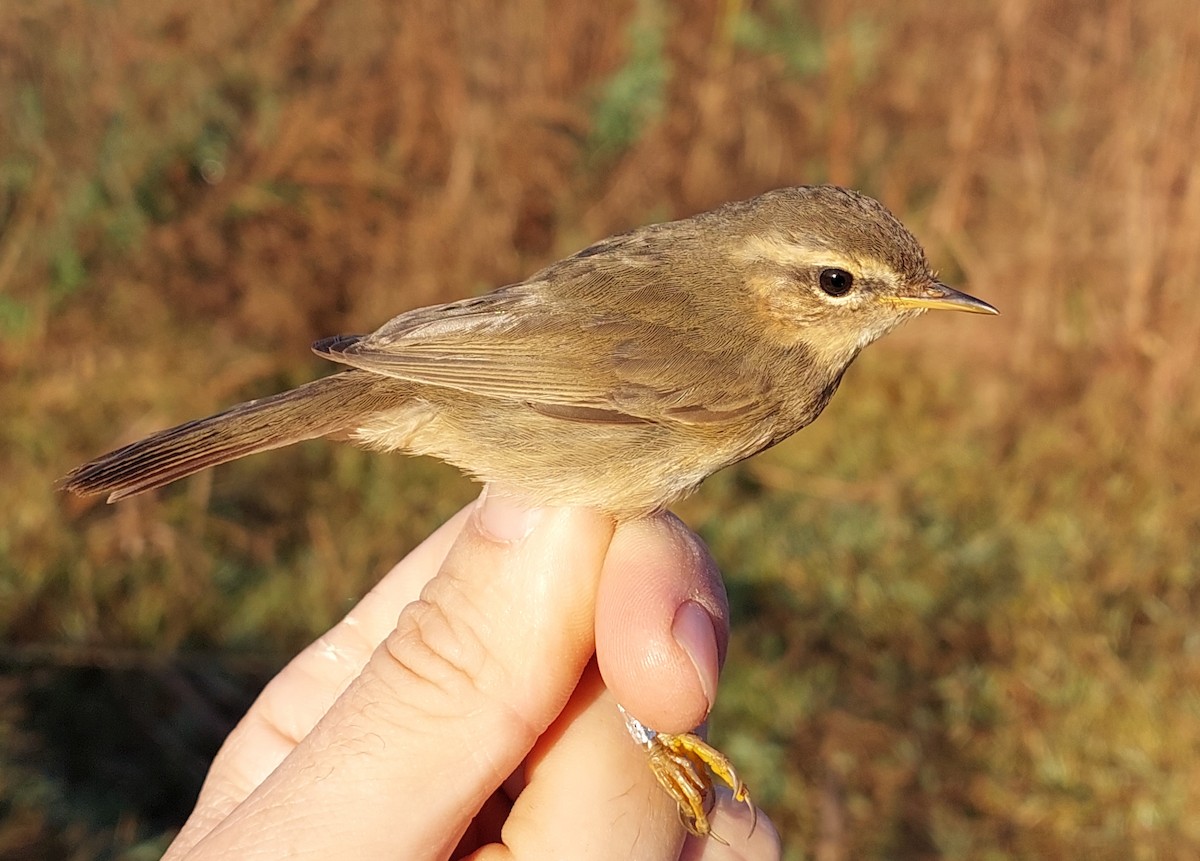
(503, 518)
(693, 631)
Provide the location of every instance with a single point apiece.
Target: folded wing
(601, 346)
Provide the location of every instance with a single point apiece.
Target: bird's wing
(602, 346)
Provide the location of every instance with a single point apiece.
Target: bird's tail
(328, 406)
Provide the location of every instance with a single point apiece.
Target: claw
(684, 766)
(702, 758)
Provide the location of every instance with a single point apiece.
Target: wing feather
(644, 361)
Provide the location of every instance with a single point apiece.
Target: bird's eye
(836, 282)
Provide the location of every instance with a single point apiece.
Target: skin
(424, 726)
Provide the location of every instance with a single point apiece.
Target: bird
(618, 378)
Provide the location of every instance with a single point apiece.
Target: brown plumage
(618, 378)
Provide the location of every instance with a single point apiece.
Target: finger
(589, 794)
(590, 790)
(292, 703)
(747, 836)
(451, 703)
(662, 629)
(662, 623)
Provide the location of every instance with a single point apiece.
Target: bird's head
(834, 270)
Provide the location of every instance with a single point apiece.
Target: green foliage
(784, 29)
(634, 96)
(14, 317)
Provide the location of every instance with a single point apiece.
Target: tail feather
(326, 406)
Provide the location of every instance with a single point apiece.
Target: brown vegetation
(966, 598)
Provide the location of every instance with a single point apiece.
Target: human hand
(478, 724)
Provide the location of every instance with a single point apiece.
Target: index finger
(446, 709)
(292, 703)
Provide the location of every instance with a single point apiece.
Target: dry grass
(966, 598)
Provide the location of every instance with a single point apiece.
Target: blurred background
(965, 600)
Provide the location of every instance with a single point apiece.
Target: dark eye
(836, 282)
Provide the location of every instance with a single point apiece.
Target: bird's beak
(937, 295)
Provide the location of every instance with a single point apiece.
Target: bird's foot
(684, 766)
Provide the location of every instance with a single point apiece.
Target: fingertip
(504, 517)
(661, 623)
